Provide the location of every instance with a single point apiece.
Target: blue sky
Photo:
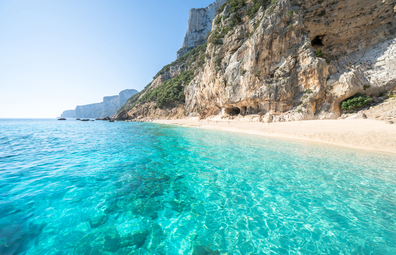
(56, 55)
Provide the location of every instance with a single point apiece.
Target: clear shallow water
(136, 188)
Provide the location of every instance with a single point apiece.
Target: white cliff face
(199, 24)
(69, 114)
(108, 107)
(292, 60)
(267, 68)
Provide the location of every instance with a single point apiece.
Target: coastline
(363, 134)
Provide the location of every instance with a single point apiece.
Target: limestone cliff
(266, 66)
(285, 60)
(199, 24)
(108, 107)
(69, 114)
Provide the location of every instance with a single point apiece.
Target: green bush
(235, 5)
(218, 20)
(255, 6)
(222, 7)
(356, 101)
(201, 60)
(234, 20)
(225, 30)
(319, 53)
(169, 92)
(215, 38)
(190, 55)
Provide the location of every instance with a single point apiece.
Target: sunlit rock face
(267, 68)
(199, 24)
(291, 60)
(108, 107)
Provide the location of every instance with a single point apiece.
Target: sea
(72, 187)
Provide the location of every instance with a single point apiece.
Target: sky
(55, 55)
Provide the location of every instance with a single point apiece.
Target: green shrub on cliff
(319, 53)
(222, 7)
(235, 5)
(190, 55)
(255, 6)
(218, 20)
(215, 38)
(170, 92)
(234, 20)
(356, 101)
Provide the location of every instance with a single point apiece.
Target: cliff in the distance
(280, 60)
(108, 107)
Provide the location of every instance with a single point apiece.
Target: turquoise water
(141, 188)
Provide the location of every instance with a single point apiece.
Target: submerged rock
(98, 220)
(61, 119)
(204, 250)
(136, 238)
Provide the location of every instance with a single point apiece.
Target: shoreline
(365, 134)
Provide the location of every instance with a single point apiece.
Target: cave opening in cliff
(317, 41)
(233, 111)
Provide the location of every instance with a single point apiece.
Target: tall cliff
(199, 24)
(108, 107)
(284, 60)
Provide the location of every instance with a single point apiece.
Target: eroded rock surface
(268, 66)
(290, 60)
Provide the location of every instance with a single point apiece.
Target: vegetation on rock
(319, 53)
(170, 92)
(192, 56)
(356, 101)
(235, 5)
(255, 6)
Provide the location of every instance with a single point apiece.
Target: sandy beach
(355, 133)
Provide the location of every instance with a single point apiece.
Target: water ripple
(136, 188)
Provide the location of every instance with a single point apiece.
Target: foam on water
(137, 188)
